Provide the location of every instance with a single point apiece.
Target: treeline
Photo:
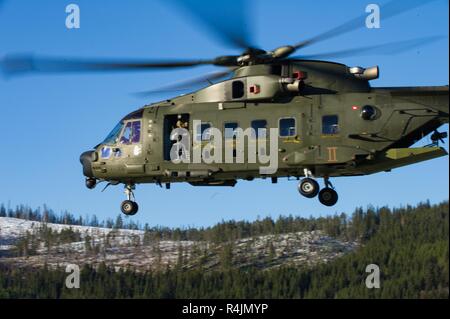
(410, 245)
(360, 225)
(47, 215)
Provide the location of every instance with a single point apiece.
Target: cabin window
(238, 89)
(203, 132)
(330, 125)
(259, 128)
(277, 70)
(132, 133)
(230, 130)
(287, 127)
(231, 135)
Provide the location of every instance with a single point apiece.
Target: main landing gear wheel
(308, 187)
(129, 207)
(328, 197)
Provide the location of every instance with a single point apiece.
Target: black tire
(91, 183)
(328, 197)
(136, 208)
(129, 207)
(308, 187)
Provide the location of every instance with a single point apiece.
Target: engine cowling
(368, 74)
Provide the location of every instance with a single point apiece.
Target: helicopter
(321, 119)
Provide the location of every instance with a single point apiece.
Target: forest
(357, 226)
(409, 244)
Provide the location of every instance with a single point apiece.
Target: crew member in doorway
(182, 123)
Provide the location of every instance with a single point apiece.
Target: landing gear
(129, 207)
(309, 188)
(328, 197)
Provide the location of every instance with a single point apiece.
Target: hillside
(409, 244)
(35, 244)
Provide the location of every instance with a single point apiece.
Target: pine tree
(119, 222)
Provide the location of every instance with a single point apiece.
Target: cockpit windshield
(131, 133)
(113, 137)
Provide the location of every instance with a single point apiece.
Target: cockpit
(127, 131)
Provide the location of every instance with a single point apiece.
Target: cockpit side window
(131, 133)
(136, 128)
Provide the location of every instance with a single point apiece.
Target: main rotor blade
(188, 84)
(389, 10)
(381, 49)
(13, 65)
(227, 19)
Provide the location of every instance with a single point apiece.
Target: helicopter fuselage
(328, 124)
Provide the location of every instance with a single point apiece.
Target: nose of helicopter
(86, 162)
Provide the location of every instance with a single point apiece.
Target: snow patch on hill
(122, 248)
(12, 229)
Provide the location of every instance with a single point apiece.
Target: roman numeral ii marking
(332, 154)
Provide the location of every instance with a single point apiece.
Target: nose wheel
(309, 188)
(129, 207)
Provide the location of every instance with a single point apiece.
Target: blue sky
(47, 121)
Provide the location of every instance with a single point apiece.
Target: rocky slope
(27, 243)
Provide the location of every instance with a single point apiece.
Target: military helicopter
(329, 121)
